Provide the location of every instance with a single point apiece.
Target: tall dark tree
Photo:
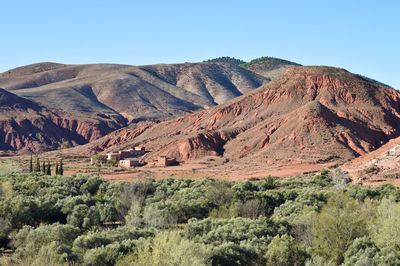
(37, 166)
(61, 170)
(48, 170)
(57, 172)
(31, 165)
(43, 167)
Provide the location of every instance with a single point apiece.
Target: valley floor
(211, 166)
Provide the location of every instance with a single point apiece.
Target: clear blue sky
(361, 36)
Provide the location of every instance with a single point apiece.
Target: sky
(360, 36)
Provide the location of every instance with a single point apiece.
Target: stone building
(129, 163)
(165, 161)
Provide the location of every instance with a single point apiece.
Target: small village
(131, 158)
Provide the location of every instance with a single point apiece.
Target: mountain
(28, 126)
(146, 92)
(311, 115)
(269, 67)
(109, 96)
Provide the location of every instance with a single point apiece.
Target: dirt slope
(381, 165)
(312, 115)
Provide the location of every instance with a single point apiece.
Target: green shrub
(283, 251)
(168, 249)
(235, 241)
(36, 243)
(340, 222)
(385, 228)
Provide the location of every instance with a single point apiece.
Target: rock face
(28, 126)
(309, 114)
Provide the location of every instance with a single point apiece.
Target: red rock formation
(310, 114)
(27, 126)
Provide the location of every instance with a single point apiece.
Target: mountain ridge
(125, 94)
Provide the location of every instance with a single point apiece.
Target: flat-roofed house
(165, 161)
(129, 163)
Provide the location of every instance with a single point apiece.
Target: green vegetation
(269, 61)
(37, 165)
(31, 165)
(226, 59)
(314, 219)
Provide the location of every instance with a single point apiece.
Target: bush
(80, 200)
(94, 240)
(340, 222)
(36, 243)
(361, 252)
(109, 254)
(283, 251)
(4, 231)
(112, 162)
(385, 229)
(168, 249)
(246, 238)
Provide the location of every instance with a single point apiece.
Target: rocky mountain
(28, 126)
(147, 92)
(310, 114)
(113, 95)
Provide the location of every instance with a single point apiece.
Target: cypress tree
(48, 172)
(44, 167)
(61, 170)
(37, 166)
(57, 172)
(31, 165)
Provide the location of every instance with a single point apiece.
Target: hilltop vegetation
(226, 59)
(270, 61)
(313, 219)
(269, 67)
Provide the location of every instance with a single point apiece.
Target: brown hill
(28, 126)
(108, 96)
(308, 115)
(148, 92)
